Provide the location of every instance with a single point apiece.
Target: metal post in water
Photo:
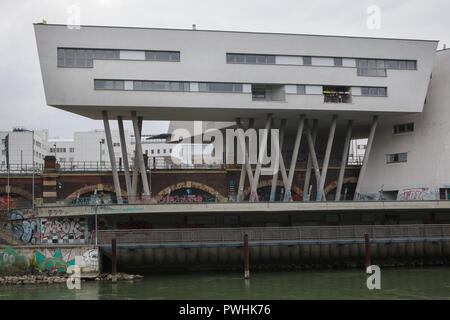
(246, 264)
(367, 245)
(114, 260)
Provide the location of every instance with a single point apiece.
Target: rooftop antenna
(194, 27)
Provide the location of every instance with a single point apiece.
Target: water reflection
(420, 283)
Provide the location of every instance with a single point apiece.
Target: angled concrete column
(348, 138)
(112, 159)
(262, 151)
(123, 145)
(243, 148)
(362, 172)
(273, 189)
(326, 160)
(135, 166)
(140, 155)
(247, 162)
(309, 162)
(312, 152)
(298, 139)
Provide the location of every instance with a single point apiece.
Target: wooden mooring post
(246, 262)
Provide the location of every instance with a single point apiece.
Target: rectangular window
(160, 85)
(72, 150)
(220, 87)
(374, 91)
(338, 62)
(301, 89)
(109, 84)
(250, 58)
(371, 67)
(83, 58)
(307, 60)
(258, 93)
(162, 56)
(402, 128)
(396, 157)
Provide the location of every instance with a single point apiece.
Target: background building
(21, 147)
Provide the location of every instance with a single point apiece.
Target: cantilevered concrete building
(321, 91)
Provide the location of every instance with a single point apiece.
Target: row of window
(61, 150)
(84, 58)
(250, 58)
(402, 128)
(374, 91)
(161, 85)
(219, 87)
(158, 151)
(378, 67)
(396, 157)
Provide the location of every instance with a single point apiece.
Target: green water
(419, 283)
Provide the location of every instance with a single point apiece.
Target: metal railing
(304, 233)
(17, 168)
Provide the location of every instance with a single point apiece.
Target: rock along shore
(54, 278)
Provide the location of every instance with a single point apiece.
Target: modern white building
(322, 91)
(89, 147)
(20, 148)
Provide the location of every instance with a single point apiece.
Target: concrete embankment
(277, 255)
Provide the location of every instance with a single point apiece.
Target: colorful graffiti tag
(57, 230)
(26, 230)
(417, 194)
(53, 262)
(9, 257)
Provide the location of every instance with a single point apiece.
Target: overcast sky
(22, 101)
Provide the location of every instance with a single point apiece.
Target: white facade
(372, 84)
(202, 57)
(23, 146)
(424, 173)
(88, 146)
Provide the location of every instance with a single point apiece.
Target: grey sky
(22, 101)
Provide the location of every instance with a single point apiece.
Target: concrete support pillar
(326, 160)
(123, 144)
(309, 163)
(140, 155)
(112, 159)
(348, 138)
(135, 166)
(366, 156)
(243, 148)
(261, 153)
(246, 167)
(312, 152)
(273, 189)
(298, 139)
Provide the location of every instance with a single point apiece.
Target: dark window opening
(335, 94)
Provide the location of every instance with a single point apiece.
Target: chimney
(194, 27)
(445, 46)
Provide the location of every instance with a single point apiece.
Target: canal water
(396, 283)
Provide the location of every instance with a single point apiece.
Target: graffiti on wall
(368, 197)
(65, 230)
(26, 230)
(417, 194)
(46, 261)
(9, 257)
(60, 260)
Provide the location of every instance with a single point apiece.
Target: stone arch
(195, 185)
(92, 188)
(268, 183)
(23, 193)
(333, 185)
